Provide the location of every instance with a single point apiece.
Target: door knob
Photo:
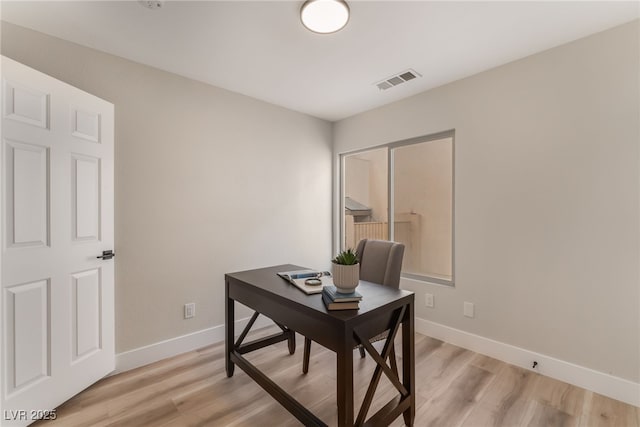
(107, 255)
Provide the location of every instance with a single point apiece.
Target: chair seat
(379, 337)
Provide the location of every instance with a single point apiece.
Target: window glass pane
(423, 206)
(366, 197)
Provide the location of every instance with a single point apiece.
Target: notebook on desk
(299, 277)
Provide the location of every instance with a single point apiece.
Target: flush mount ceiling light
(324, 16)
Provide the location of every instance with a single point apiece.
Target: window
(411, 182)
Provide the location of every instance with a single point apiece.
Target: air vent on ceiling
(398, 79)
(152, 4)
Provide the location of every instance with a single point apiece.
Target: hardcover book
(336, 296)
(331, 305)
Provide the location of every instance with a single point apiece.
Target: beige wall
(207, 182)
(547, 198)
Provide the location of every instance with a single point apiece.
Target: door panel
(86, 125)
(86, 295)
(26, 105)
(27, 169)
(27, 320)
(85, 196)
(57, 217)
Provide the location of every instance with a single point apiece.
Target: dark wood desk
(382, 308)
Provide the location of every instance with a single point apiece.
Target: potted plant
(346, 271)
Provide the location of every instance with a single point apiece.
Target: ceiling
(261, 49)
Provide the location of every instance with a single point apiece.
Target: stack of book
(338, 301)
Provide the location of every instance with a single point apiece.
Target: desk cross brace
(293, 406)
(286, 334)
(380, 359)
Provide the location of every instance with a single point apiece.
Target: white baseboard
(598, 382)
(172, 347)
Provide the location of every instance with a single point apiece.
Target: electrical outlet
(190, 310)
(428, 300)
(469, 309)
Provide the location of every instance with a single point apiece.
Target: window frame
(391, 146)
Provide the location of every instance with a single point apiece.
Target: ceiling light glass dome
(324, 16)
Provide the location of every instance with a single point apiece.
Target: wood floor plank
(506, 401)
(439, 369)
(543, 414)
(561, 396)
(487, 363)
(454, 404)
(606, 412)
(74, 415)
(454, 387)
(150, 413)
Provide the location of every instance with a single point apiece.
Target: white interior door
(57, 303)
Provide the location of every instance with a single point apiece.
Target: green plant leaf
(347, 257)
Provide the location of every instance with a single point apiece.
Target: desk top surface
(266, 281)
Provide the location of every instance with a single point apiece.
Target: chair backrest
(380, 261)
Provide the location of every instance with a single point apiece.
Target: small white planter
(346, 277)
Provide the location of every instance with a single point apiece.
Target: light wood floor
(455, 387)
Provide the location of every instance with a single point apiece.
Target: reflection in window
(422, 197)
(366, 197)
(423, 208)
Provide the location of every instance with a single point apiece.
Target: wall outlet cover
(428, 300)
(469, 309)
(190, 310)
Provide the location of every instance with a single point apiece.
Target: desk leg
(408, 364)
(229, 330)
(344, 358)
(292, 341)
